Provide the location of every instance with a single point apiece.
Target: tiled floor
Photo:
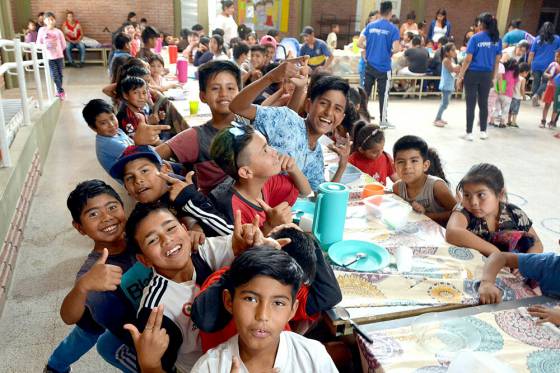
(52, 251)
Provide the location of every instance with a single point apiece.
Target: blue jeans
(81, 48)
(362, 71)
(79, 342)
(72, 348)
(445, 97)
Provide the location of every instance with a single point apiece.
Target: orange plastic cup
(373, 190)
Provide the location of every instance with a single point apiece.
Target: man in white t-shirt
(226, 22)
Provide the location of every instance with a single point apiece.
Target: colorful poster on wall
(262, 15)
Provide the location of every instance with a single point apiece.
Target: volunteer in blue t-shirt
(484, 51)
(541, 55)
(317, 50)
(381, 40)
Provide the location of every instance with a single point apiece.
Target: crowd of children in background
(193, 278)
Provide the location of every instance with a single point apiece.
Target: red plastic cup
(172, 53)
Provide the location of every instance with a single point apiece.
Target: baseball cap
(268, 40)
(131, 153)
(307, 30)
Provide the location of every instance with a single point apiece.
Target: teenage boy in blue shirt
(380, 39)
(290, 134)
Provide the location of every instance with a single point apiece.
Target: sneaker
(483, 135)
(535, 100)
(444, 121)
(48, 369)
(502, 125)
(468, 137)
(439, 123)
(514, 125)
(81, 65)
(61, 96)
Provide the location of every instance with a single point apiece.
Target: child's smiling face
(137, 97)
(142, 182)
(326, 111)
(220, 91)
(156, 68)
(165, 243)
(102, 219)
(261, 309)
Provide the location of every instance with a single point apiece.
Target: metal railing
(18, 68)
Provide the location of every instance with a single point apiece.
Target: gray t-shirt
(418, 59)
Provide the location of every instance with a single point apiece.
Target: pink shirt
(511, 81)
(54, 41)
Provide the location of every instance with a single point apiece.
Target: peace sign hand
(176, 186)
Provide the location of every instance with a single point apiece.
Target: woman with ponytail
(484, 51)
(541, 56)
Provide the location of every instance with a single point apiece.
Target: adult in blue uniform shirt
(515, 34)
(541, 55)
(484, 51)
(380, 39)
(317, 50)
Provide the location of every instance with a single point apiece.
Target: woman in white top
(410, 24)
(216, 46)
(225, 21)
(439, 27)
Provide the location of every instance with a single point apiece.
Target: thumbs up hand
(101, 276)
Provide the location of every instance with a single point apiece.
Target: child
(245, 155)
(422, 181)
(149, 38)
(128, 29)
(447, 82)
(556, 107)
(157, 72)
(368, 154)
(518, 94)
(121, 42)
(543, 268)
(179, 269)
(203, 54)
(548, 97)
(216, 46)
(55, 44)
(145, 177)
(134, 91)
(110, 140)
(483, 221)
(498, 87)
(258, 62)
(193, 40)
(219, 82)
(95, 303)
(240, 58)
(31, 32)
(287, 131)
(320, 290)
(261, 296)
(252, 39)
(511, 76)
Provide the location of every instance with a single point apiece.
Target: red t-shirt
(277, 189)
(72, 35)
(186, 147)
(379, 168)
(211, 340)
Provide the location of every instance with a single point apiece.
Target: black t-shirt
(418, 59)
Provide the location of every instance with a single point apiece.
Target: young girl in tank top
(422, 181)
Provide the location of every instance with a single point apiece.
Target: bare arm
(396, 46)
(362, 41)
(73, 305)
(457, 234)
(488, 291)
(445, 199)
(300, 181)
(273, 98)
(329, 61)
(464, 67)
(530, 59)
(242, 104)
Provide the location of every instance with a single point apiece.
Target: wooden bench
(102, 55)
(354, 79)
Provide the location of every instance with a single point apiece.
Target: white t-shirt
(177, 298)
(228, 25)
(331, 41)
(439, 32)
(517, 88)
(295, 354)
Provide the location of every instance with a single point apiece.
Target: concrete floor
(53, 251)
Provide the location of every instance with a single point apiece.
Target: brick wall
(96, 15)
(343, 11)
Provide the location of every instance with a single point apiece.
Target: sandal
(543, 123)
(514, 125)
(502, 125)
